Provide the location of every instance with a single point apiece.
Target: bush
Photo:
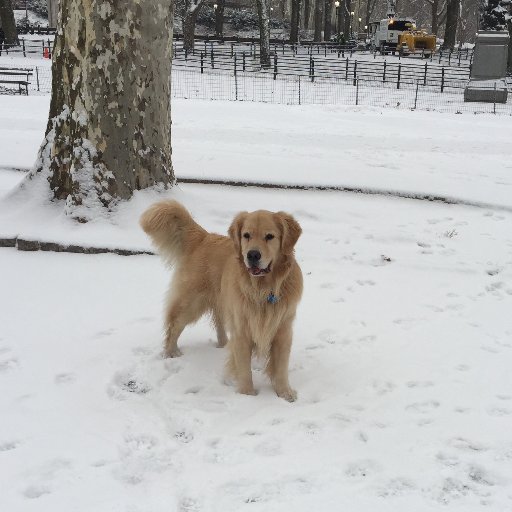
(242, 19)
(206, 16)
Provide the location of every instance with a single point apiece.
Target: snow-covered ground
(403, 340)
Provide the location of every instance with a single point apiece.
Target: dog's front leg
(240, 363)
(277, 366)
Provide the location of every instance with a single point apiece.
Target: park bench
(16, 76)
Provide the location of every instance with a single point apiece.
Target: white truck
(384, 34)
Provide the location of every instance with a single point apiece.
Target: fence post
(234, 63)
(212, 59)
(275, 65)
(231, 49)
(346, 69)
(384, 72)
(450, 55)
(459, 57)
(312, 70)
(416, 95)
(24, 52)
(202, 62)
(236, 80)
(357, 92)
(243, 61)
(494, 98)
(440, 55)
(42, 41)
(425, 75)
(398, 77)
(299, 89)
(37, 77)
(442, 79)
(355, 72)
(49, 49)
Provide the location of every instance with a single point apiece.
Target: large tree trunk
(192, 8)
(509, 26)
(328, 5)
(109, 128)
(345, 10)
(319, 20)
(307, 13)
(437, 9)
(370, 7)
(452, 18)
(7, 22)
(295, 21)
(219, 19)
(264, 24)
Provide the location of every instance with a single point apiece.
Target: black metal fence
(302, 90)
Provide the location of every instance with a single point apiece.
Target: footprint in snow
(36, 491)
(423, 407)
(11, 363)
(7, 446)
(499, 411)
(65, 378)
(362, 468)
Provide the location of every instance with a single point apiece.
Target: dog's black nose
(253, 257)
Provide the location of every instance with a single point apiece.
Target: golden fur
(214, 275)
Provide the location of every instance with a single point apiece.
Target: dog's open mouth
(257, 271)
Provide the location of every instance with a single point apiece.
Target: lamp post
(337, 5)
(352, 24)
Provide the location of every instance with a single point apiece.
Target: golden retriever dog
(249, 282)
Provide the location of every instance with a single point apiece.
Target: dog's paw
(288, 394)
(246, 390)
(174, 352)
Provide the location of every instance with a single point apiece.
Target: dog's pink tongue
(254, 271)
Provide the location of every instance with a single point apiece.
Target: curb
(23, 244)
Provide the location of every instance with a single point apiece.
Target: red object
(46, 53)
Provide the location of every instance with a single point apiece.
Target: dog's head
(262, 239)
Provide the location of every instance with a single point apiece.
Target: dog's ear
(291, 231)
(235, 229)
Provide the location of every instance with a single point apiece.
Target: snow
(402, 347)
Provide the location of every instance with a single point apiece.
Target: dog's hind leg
(222, 337)
(180, 313)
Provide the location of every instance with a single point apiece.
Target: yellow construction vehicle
(417, 41)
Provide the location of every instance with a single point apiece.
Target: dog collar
(272, 299)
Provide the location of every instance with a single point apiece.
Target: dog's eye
(269, 236)
(247, 235)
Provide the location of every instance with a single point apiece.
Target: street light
(337, 5)
(215, 6)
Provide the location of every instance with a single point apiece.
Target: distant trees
(295, 21)
(190, 12)
(263, 7)
(7, 22)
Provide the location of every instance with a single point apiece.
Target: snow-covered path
(401, 358)
(461, 156)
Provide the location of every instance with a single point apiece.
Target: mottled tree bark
(295, 21)
(7, 22)
(319, 20)
(192, 8)
(263, 8)
(370, 7)
(219, 18)
(109, 125)
(452, 18)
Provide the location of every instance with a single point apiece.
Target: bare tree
(370, 7)
(452, 17)
(319, 20)
(191, 11)
(295, 21)
(263, 7)
(328, 6)
(438, 10)
(347, 20)
(7, 22)
(109, 126)
(219, 18)
(307, 13)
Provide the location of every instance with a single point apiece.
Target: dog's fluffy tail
(172, 229)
